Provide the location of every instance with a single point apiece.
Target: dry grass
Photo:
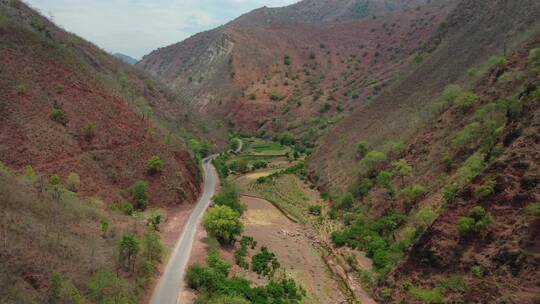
(40, 235)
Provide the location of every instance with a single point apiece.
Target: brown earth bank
(110, 119)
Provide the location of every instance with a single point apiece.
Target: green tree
(229, 196)
(402, 168)
(128, 248)
(372, 162)
(287, 139)
(223, 223)
(140, 194)
(152, 247)
(155, 164)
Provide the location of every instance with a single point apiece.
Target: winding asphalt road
(170, 283)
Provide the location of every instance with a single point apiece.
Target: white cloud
(136, 27)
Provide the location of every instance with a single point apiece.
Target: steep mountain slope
(443, 166)
(499, 262)
(67, 106)
(471, 34)
(299, 67)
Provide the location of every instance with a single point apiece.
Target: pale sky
(136, 27)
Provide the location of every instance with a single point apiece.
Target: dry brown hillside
(301, 67)
(67, 106)
(473, 32)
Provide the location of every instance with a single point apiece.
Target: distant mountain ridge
(126, 58)
(338, 58)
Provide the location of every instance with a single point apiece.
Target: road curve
(170, 283)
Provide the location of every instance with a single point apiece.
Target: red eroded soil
(34, 82)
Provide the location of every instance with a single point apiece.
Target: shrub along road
(170, 283)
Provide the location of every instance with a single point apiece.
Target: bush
(275, 96)
(106, 287)
(477, 221)
(229, 196)
(54, 180)
(73, 182)
(315, 210)
(325, 108)
(466, 100)
(534, 209)
(468, 135)
(362, 188)
(287, 60)
(155, 164)
(252, 96)
(534, 59)
(476, 271)
(346, 201)
(449, 95)
(223, 223)
(450, 192)
(140, 194)
(498, 61)
(384, 179)
(55, 290)
(89, 130)
(312, 56)
(287, 139)
(59, 116)
(362, 149)
(393, 148)
(425, 217)
(471, 168)
(372, 162)
(486, 189)
(260, 164)
(126, 208)
(265, 263)
(412, 194)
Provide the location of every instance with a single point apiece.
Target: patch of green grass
(429, 296)
(267, 148)
(286, 193)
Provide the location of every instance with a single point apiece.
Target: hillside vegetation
(68, 107)
(59, 248)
